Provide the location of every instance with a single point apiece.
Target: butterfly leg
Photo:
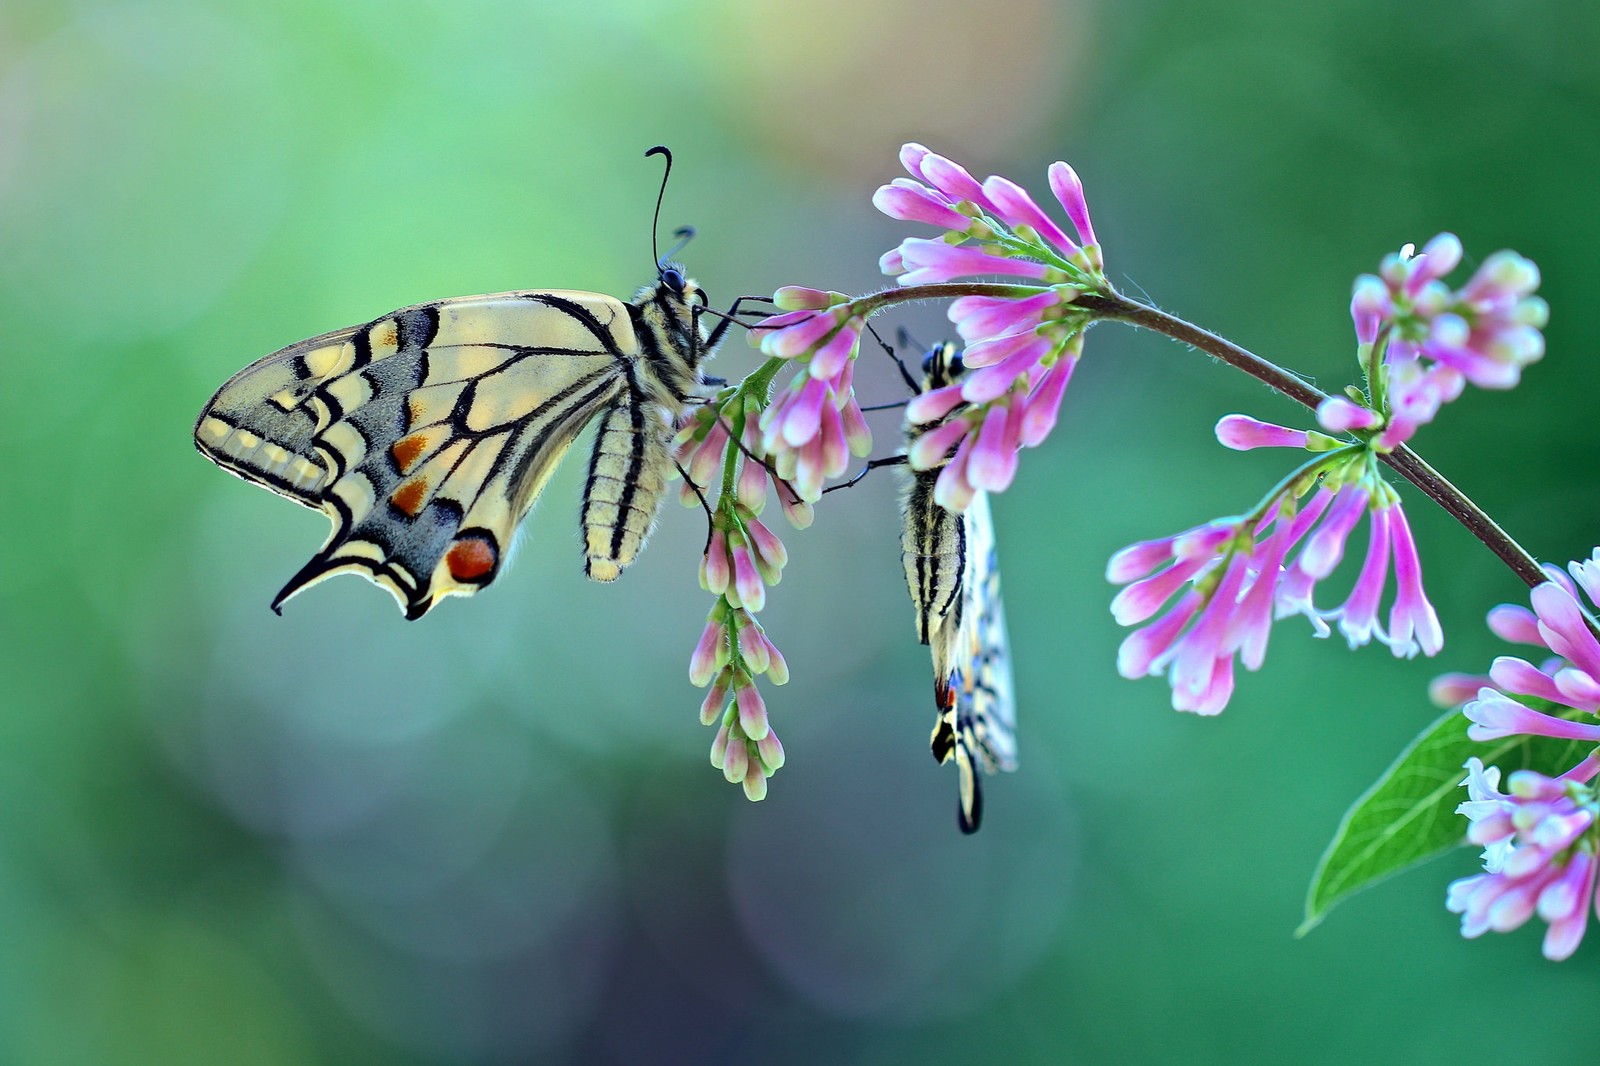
(628, 474)
(727, 317)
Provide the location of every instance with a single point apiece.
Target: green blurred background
(493, 836)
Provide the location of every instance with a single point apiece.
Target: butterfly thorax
(672, 340)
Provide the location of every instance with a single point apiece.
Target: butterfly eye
(930, 360)
(672, 278)
(955, 365)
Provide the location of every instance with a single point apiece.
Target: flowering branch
(1206, 598)
(1407, 463)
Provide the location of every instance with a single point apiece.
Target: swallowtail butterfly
(954, 577)
(428, 434)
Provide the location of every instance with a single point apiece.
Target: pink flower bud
(1016, 208)
(751, 489)
(992, 382)
(735, 760)
(835, 452)
(932, 262)
(1044, 404)
(911, 201)
(752, 711)
(778, 668)
(766, 543)
(755, 784)
(799, 338)
(911, 156)
(995, 349)
(1242, 433)
(771, 751)
(1068, 188)
(829, 360)
(803, 419)
(933, 405)
(1369, 304)
(930, 448)
(800, 298)
(706, 459)
(1338, 415)
(711, 706)
(857, 434)
(797, 511)
(719, 747)
(714, 575)
(752, 592)
(993, 465)
(953, 180)
(753, 649)
(952, 490)
(703, 664)
(978, 318)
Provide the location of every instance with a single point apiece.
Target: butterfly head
(941, 366)
(673, 303)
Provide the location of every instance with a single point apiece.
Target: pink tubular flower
(1233, 577)
(1539, 846)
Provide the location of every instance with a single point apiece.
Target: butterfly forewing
(427, 435)
(952, 571)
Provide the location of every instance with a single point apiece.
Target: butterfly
(428, 434)
(953, 573)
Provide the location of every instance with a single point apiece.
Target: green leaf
(1408, 816)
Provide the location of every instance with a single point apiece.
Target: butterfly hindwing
(427, 435)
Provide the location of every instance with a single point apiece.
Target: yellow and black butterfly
(427, 435)
(953, 573)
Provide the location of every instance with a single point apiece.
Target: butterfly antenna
(685, 234)
(655, 223)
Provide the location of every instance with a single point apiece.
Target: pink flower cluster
(703, 450)
(1540, 838)
(1228, 580)
(985, 431)
(811, 429)
(742, 558)
(732, 650)
(1012, 235)
(1538, 857)
(1021, 348)
(1436, 339)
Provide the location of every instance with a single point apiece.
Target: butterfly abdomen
(932, 548)
(627, 480)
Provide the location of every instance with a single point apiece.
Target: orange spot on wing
(470, 558)
(413, 411)
(407, 450)
(409, 496)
